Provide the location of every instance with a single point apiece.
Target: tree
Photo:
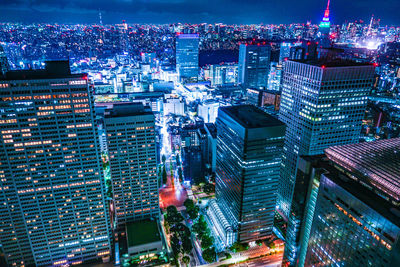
(200, 227)
(172, 209)
(166, 224)
(164, 175)
(175, 245)
(191, 209)
(163, 158)
(209, 188)
(206, 241)
(238, 247)
(181, 229)
(209, 254)
(173, 216)
(159, 169)
(186, 244)
(188, 203)
(178, 162)
(180, 174)
(186, 260)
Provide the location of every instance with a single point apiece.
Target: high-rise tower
(322, 105)
(356, 220)
(53, 207)
(249, 149)
(254, 65)
(132, 152)
(187, 56)
(324, 29)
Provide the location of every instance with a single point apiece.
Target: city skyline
(186, 11)
(195, 144)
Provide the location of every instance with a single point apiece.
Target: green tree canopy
(164, 175)
(206, 241)
(200, 227)
(175, 245)
(186, 260)
(173, 216)
(209, 254)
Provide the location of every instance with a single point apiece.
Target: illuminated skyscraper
(324, 29)
(322, 104)
(208, 110)
(187, 56)
(132, 154)
(249, 146)
(285, 50)
(53, 209)
(356, 220)
(224, 74)
(297, 50)
(254, 65)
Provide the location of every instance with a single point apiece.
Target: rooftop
(250, 116)
(187, 35)
(332, 63)
(142, 232)
(375, 163)
(127, 109)
(386, 208)
(53, 70)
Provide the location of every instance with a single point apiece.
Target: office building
(249, 151)
(187, 56)
(254, 65)
(189, 135)
(322, 104)
(225, 74)
(193, 165)
(285, 50)
(261, 98)
(208, 110)
(356, 220)
(53, 208)
(133, 163)
(275, 77)
(211, 154)
(302, 210)
(174, 106)
(299, 49)
(149, 58)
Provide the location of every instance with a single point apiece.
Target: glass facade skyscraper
(187, 56)
(322, 104)
(224, 74)
(357, 217)
(130, 130)
(53, 209)
(302, 210)
(254, 65)
(249, 149)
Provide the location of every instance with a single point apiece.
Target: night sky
(196, 11)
